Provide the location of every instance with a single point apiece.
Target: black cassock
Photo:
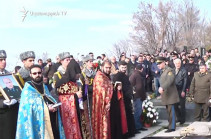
(128, 96)
(115, 118)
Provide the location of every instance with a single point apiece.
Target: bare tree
(122, 46)
(168, 26)
(208, 36)
(189, 17)
(145, 29)
(153, 28)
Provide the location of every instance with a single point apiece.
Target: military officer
(8, 109)
(24, 74)
(168, 91)
(200, 87)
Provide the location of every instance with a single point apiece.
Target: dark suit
(181, 82)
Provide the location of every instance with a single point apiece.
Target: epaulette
(170, 73)
(59, 75)
(90, 79)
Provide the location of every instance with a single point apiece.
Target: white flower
(154, 121)
(148, 114)
(148, 98)
(151, 104)
(153, 110)
(151, 115)
(143, 104)
(157, 113)
(149, 109)
(146, 106)
(156, 117)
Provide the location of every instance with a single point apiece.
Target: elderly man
(28, 60)
(200, 88)
(168, 91)
(114, 66)
(181, 76)
(8, 109)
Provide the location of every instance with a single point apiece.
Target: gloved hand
(11, 102)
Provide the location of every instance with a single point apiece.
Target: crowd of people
(101, 98)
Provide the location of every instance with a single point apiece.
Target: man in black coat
(139, 95)
(181, 82)
(127, 94)
(174, 55)
(191, 67)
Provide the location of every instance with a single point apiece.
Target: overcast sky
(76, 26)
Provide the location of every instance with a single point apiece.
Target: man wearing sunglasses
(37, 117)
(28, 60)
(8, 109)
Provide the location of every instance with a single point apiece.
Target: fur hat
(64, 55)
(26, 55)
(87, 58)
(3, 54)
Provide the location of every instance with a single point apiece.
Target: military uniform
(8, 114)
(200, 88)
(24, 74)
(14, 92)
(170, 95)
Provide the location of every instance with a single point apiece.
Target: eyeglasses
(35, 73)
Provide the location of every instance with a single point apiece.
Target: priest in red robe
(102, 94)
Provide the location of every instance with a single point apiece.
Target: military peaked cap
(3, 54)
(26, 55)
(64, 55)
(174, 53)
(160, 59)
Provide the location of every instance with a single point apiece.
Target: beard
(108, 75)
(37, 79)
